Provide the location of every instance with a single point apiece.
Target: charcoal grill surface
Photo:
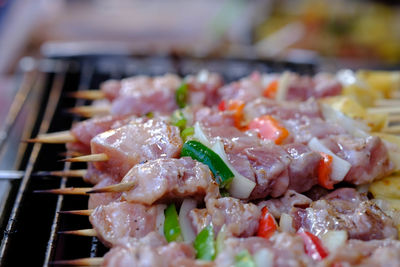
(31, 235)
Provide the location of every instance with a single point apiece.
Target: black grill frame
(31, 234)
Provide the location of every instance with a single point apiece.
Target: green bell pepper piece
(204, 244)
(172, 229)
(196, 150)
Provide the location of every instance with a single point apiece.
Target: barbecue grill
(32, 232)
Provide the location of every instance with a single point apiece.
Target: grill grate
(31, 233)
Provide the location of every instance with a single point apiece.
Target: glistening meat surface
(141, 95)
(99, 199)
(152, 251)
(275, 169)
(165, 180)
(240, 219)
(85, 130)
(134, 143)
(345, 209)
(368, 156)
(118, 220)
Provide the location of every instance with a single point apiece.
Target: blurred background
(336, 34)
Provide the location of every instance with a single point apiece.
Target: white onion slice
(186, 226)
(286, 223)
(264, 258)
(332, 240)
(160, 219)
(354, 127)
(240, 187)
(283, 86)
(200, 135)
(340, 167)
(221, 237)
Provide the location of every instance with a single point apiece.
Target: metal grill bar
(17, 105)
(50, 110)
(86, 77)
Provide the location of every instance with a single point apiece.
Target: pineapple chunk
(388, 188)
(385, 82)
(354, 110)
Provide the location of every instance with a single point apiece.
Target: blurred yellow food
(350, 107)
(384, 82)
(388, 188)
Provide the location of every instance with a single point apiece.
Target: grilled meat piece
(345, 209)
(118, 220)
(168, 179)
(240, 219)
(134, 143)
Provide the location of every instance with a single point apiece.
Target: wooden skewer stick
(392, 129)
(82, 232)
(71, 154)
(77, 212)
(121, 187)
(70, 173)
(394, 118)
(88, 94)
(90, 111)
(388, 110)
(387, 102)
(395, 94)
(81, 262)
(54, 138)
(66, 191)
(88, 158)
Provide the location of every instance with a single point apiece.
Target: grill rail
(31, 234)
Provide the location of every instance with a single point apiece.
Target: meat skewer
(248, 154)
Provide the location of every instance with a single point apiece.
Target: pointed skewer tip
(82, 232)
(115, 188)
(80, 262)
(77, 212)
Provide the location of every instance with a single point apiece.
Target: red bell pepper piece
(313, 246)
(267, 225)
(325, 170)
(271, 89)
(236, 106)
(269, 128)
